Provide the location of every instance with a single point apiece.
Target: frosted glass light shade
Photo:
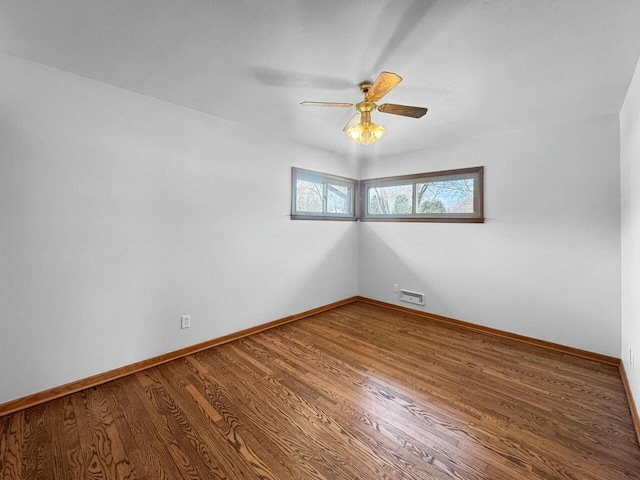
(366, 133)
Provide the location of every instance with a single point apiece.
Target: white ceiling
(478, 65)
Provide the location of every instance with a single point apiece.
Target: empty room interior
(291, 239)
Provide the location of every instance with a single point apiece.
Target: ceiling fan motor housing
(365, 108)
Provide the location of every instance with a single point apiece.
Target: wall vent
(412, 297)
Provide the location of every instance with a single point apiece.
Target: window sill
(323, 217)
(425, 219)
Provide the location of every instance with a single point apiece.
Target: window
(449, 196)
(319, 196)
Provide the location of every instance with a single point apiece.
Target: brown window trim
(297, 215)
(360, 198)
(323, 217)
(476, 217)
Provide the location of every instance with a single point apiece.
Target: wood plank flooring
(357, 392)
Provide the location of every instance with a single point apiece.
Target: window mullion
(325, 196)
(413, 198)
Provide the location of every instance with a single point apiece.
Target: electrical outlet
(396, 287)
(185, 321)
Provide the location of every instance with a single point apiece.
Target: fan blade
(405, 110)
(326, 104)
(383, 84)
(352, 122)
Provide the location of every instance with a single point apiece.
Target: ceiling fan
(360, 128)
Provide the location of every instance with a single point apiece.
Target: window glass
(452, 196)
(309, 196)
(320, 196)
(339, 198)
(447, 196)
(390, 200)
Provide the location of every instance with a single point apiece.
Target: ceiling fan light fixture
(366, 133)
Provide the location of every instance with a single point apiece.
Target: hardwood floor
(357, 392)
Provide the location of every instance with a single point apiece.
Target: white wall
(546, 263)
(630, 174)
(119, 213)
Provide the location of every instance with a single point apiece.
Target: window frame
(475, 173)
(326, 179)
